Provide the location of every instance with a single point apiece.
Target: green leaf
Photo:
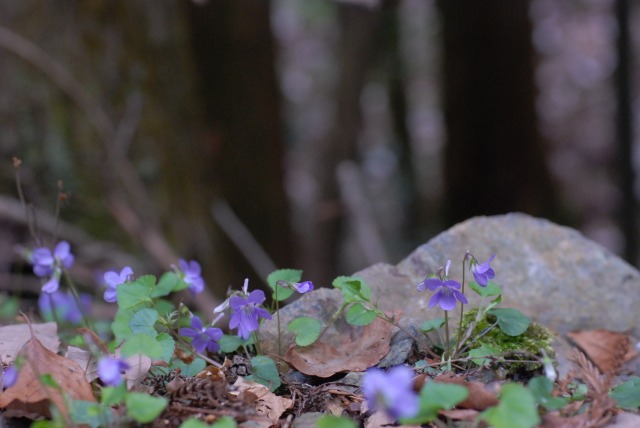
(9, 306)
(330, 421)
(358, 314)
(511, 321)
(194, 423)
(494, 302)
(353, 289)
(49, 381)
(287, 275)
(189, 370)
(516, 409)
(112, 395)
(436, 396)
(492, 289)
(481, 351)
(168, 283)
(90, 414)
(541, 388)
(307, 330)
(164, 307)
(265, 372)
(229, 343)
(136, 293)
(433, 324)
(168, 346)
(225, 422)
(627, 394)
(143, 407)
(120, 325)
(142, 322)
(142, 344)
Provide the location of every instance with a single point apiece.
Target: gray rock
(551, 273)
(401, 344)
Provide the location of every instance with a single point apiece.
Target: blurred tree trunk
(494, 161)
(357, 27)
(235, 59)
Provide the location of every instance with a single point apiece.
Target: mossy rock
(525, 347)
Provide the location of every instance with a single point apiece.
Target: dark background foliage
(322, 135)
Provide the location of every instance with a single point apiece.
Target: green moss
(524, 347)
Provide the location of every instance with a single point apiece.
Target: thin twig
(242, 238)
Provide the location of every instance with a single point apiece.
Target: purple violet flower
(10, 376)
(448, 293)
(202, 338)
(246, 311)
(110, 370)
(112, 279)
(192, 275)
(46, 263)
(483, 272)
(64, 306)
(391, 391)
(302, 287)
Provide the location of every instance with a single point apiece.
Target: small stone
(401, 345)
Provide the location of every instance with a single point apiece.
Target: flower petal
(256, 296)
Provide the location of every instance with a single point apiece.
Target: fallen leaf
(85, 360)
(460, 414)
(13, 338)
(607, 349)
(212, 373)
(351, 348)
(479, 397)
(29, 395)
(269, 406)
(139, 367)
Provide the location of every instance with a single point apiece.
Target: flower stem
(458, 344)
(256, 343)
(278, 321)
(76, 297)
(446, 332)
(333, 319)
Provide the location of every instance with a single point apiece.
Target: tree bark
(494, 157)
(235, 59)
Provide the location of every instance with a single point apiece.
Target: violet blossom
(10, 376)
(63, 306)
(112, 279)
(48, 264)
(202, 338)
(246, 311)
(110, 370)
(192, 275)
(447, 294)
(392, 391)
(302, 287)
(482, 272)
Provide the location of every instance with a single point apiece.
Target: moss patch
(524, 347)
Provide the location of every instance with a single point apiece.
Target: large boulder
(551, 273)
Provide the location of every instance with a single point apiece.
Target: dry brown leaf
(269, 406)
(607, 349)
(479, 397)
(84, 360)
(139, 366)
(30, 396)
(460, 414)
(13, 338)
(354, 348)
(212, 373)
